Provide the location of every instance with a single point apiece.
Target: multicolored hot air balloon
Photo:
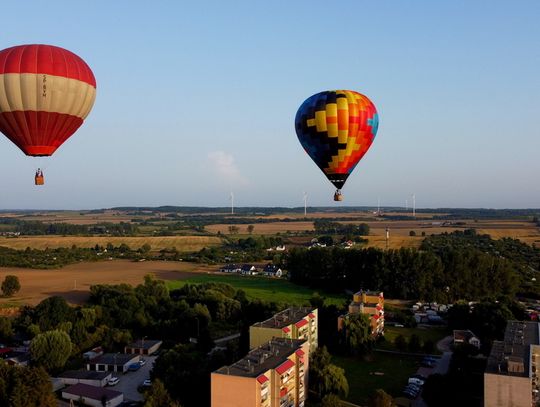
(336, 128)
(46, 92)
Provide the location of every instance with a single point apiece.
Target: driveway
(129, 381)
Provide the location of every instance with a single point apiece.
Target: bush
(10, 285)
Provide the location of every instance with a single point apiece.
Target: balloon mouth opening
(39, 151)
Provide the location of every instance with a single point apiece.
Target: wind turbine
(305, 204)
(413, 205)
(232, 203)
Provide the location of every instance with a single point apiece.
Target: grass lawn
(362, 379)
(434, 334)
(278, 290)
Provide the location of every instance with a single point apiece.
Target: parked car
(113, 381)
(142, 362)
(134, 367)
(416, 380)
(410, 394)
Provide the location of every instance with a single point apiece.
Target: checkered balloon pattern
(336, 128)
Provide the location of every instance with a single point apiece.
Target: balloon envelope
(46, 92)
(336, 128)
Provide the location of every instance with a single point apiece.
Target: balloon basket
(338, 197)
(39, 180)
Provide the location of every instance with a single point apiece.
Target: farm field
(278, 290)
(392, 374)
(264, 228)
(73, 282)
(182, 243)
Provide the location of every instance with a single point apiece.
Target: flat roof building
(93, 396)
(272, 375)
(143, 346)
(292, 323)
(91, 377)
(511, 376)
(112, 362)
(370, 303)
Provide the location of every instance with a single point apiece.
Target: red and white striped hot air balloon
(46, 92)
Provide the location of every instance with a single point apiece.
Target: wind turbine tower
(413, 205)
(232, 203)
(305, 204)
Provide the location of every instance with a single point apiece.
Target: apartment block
(292, 323)
(511, 376)
(274, 374)
(370, 303)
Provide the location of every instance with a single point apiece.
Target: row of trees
(40, 228)
(406, 273)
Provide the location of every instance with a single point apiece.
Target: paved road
(225, 339)
(445, 344)
(129, 381)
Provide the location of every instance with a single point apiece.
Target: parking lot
(129, 381)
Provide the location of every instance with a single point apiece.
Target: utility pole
(387, 237)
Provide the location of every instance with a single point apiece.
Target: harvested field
(182, 243)
(264, 228)
(73, 282)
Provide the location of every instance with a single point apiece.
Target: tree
(157, 396)
(6, 331)
(412, 233)
(415, 343)
(324, 377)
(10, 285)
(25, 387)
(356, 333)
(379, 398)
(51, 349)
(233, 230)
(250, 229)
(331, 400)
(51, 312)
(400, 342)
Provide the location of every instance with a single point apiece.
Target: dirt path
(73, 282)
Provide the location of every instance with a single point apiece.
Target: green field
(433, 334)
(268, 289)
(392, 374)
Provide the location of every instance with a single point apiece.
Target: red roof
(376, 316)
(311, 315)
(286, 330)
(285, 366)
(262, 379)
(301, 323)
(300, 352)
(5, 350)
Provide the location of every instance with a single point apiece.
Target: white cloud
(224, 166)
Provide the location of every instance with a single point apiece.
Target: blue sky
(196, 99)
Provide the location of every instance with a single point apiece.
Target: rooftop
(119, 359)
(511, 356)
(92, 392)
(84, 374)
(285, 318)
(268, 356)
(368, 292)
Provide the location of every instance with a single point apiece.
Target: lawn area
(433, 334)
(268, 289)
(362, 379)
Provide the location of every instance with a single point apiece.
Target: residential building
(274, 374)
(466, 337)
(112, 362)
(271, 270)
(143, 346)
(512, 373)
(93, 396)
(248, 269)
(230, 268)
(93, 378)
(370, 303)
(292, 323)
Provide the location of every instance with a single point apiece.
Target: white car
(147, 383)
(113, 381)
(142, 362)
